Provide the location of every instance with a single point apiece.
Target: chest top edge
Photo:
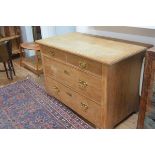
(105, 51)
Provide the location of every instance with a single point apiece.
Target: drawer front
(83, 106)
(85, 64)
(53, 53)
(83, 83)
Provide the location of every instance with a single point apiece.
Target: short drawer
(83, 106)
(53, 53)
(85, 64)
(85, 84)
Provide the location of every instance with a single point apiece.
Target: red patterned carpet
(25, 104)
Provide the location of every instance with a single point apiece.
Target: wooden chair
(5, 58)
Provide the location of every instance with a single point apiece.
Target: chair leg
(6, 70)
(12, 66)
(10, 69)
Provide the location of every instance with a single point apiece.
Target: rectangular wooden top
(100, 49)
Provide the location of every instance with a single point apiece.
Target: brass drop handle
(52, 53)
(56, 89)
(82, 84)
(66, 72)
(84, 106)
(82, 64)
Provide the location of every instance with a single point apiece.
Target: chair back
(4, 52)
(9, 48)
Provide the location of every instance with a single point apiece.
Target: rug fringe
(29, 77)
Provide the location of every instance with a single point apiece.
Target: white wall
(46, 31)
(49, 31)
(148, 27)
(131, 37)
(64, 29)
(27, 35)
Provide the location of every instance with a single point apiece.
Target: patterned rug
(26, 105)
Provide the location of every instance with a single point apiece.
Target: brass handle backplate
(56, 89)
(82, 84)
(82, 64)
(84, 106)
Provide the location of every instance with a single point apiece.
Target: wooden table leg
(21, 55)
(37, 62)
(6, 70)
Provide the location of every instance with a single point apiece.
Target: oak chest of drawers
(96, 77)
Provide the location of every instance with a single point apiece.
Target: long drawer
(83, 106)
(89, 86)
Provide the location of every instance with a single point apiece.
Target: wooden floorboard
(21, 73)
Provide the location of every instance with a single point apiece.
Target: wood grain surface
(95, 48)
(85, 67)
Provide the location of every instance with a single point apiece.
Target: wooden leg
(12, 66)
(37, 62)
(10, 69)
(6, 70)
(21, 55)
